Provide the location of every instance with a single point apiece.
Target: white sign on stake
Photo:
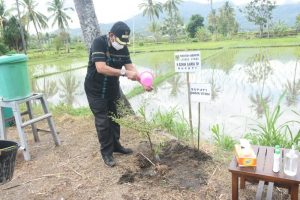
(187, 61)
(200, 92)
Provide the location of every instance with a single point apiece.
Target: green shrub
(270, 132)
(223, 141)
(3, 49)
(173, 122)
(202, 34)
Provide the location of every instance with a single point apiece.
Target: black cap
(121, 31)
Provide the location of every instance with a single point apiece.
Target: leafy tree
(211, 4)
(58, 14)
(298, 23)
(173, 23)
(173, 26)
(280, 28)
(3, 49)
(196, 22)
(58, 43)
(226, 23)
(4, 14)
(151, 8)
(171, 6)
(60, 17)
(202, 34)
(155, 29)
(32, 15)
(88, 20)
(260, 13)
(212, 21)
(11, 35)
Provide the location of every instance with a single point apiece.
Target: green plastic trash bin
(14, 80)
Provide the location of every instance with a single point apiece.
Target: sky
(109, 11)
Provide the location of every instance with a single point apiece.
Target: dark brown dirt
(75, 169)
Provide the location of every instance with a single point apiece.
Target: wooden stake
(190, 108)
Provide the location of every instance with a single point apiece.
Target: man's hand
(132, 75)
(148, 89)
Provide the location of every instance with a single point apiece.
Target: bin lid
(13, 58)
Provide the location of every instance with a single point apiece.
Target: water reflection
(258, 68)
(69, 86)
(48, 87)
(293, 88)
(242, 81)
(224, 60)
(215, 88)
(258, 103)
(176, 83)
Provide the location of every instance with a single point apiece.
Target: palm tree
(151, 9)
(59, 15)
(155, 28)
(211, 2)
(31, 15)
(88, 20)
(3, 16)
(173, 23)
(171, 6)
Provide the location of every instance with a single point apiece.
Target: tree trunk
(90, 30)
(88, 20)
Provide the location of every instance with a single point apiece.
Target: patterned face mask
(117, 46)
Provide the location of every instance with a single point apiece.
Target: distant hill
(285, 13)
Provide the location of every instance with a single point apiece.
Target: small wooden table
(264, 171)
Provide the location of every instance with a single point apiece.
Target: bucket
(14, 78)
(8, 152)
(146, 78)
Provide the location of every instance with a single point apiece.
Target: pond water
(239, 77)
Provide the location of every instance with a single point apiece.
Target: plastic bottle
(276, 161)
(291, 162)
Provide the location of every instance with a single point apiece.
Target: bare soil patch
(75, 169)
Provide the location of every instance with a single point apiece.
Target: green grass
(66, 109)
(173, 122)
(271, 132)
(213, 45)
(222, 140)
(49, 56)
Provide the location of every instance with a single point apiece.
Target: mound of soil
(179, 166)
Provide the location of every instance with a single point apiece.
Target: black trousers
(108, 131)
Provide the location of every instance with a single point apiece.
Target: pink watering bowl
(146, 78)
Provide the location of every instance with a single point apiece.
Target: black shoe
(123, 150)
(109, 160)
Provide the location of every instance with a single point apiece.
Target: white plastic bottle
(291, 162)
(276, 161)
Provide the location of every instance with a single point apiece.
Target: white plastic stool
(14, 105)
